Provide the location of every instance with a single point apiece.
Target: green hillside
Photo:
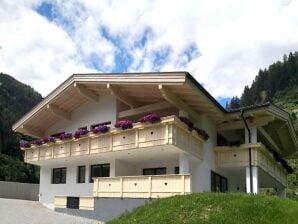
(16, 99)
(214, 208)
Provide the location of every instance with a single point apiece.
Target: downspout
(249, 150)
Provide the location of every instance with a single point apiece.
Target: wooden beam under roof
(257, 122)
(86, 93)
(145, 109)
(31, 131)
(268, 137)
(115, 91)
(58, 111)
(177, 102)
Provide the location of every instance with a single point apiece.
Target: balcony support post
(281, 192)
(255, 181)
(184, 164)
(253, 131)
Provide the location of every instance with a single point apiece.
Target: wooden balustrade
(157, 186)
(170, 131)
(238, 157)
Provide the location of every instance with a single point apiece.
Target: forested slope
(16, 99)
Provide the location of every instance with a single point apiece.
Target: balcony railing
(170, 131)
(238, 157)
(158, 186)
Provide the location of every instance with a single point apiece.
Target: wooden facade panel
(135, 184)
(60, 201)
(86, 203)
(46, 153)
(100, 143)
(79, 147)
(124, 140)
(62, 150)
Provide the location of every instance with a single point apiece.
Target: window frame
(57, 135)
(100, 166)
(61, 179)
(155, 169)
(107, 123)
(79, 181)
(217, 181)
(176, 170)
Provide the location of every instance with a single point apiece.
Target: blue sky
(220, 44)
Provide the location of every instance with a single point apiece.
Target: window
(81, 174)
(108, 123)
(177, 170)
(155, 171)
(59, 175)
(73, 202)
(218, 183)
(57, 135)
(100, 170)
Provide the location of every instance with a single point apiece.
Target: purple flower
(188, 122)
(37, 142)
(25, 144)
(202, 133)
(84, 131)
(124, 124)
(65, 136)
(151, 118)
(49, 139)
(101, 129)
(80, 133)
(77, 134)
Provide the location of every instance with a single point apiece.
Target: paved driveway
(14, 211)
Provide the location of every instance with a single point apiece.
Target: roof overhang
(273, 123)
(179, 89)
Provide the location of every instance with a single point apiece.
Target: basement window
(73, 202)
(59, 175)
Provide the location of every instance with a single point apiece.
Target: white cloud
(234, 39)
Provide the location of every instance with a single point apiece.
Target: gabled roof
(179, 89)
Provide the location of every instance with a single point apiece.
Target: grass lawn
(215, 208)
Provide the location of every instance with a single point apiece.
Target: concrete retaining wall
(17, 190)
(106, 209)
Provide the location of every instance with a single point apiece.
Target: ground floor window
(81, 174)
(100, 170)
(155, 171)
(59, 175)
(218, 183)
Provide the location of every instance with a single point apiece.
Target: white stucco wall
(201, 169)
(88, 114)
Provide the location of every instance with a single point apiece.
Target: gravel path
(14, 211)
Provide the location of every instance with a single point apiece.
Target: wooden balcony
(239, 157)
(170, 131)
(158, 186)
